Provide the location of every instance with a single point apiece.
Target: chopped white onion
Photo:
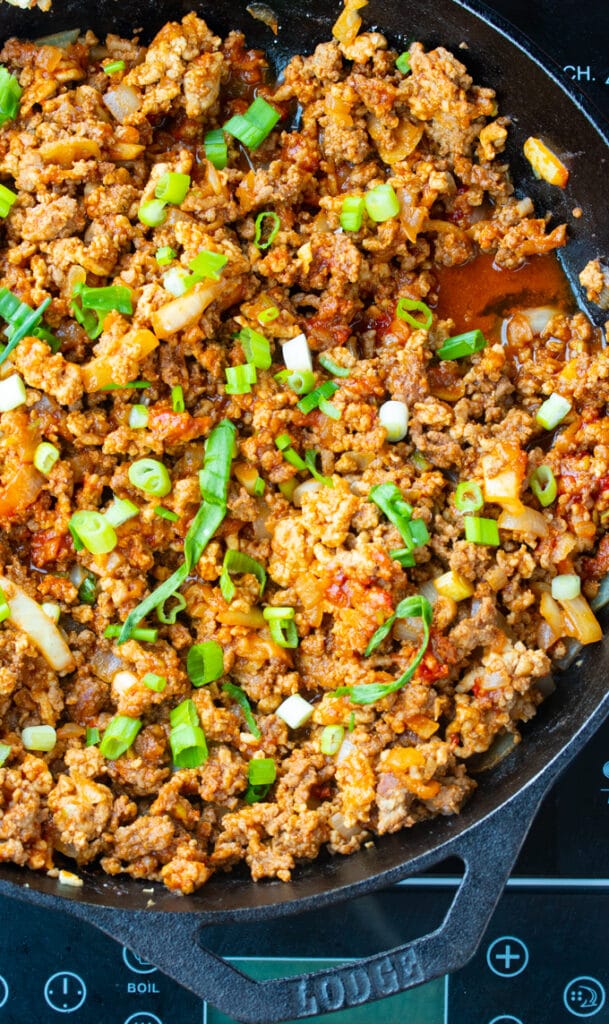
(346, 749)
(393, 416)
(122, 682)
(539, 317)
(175, 281)
(308, 487)
(52, 611)
(69, 878)
(27, 615)
(297, 354)
(12, 393)
(295, 711)
(77, 574)
(122, 102)
(39, 737)
(566, 587)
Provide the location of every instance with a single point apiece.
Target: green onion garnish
(216, 150)
(403, 63)
(177, 398)
(4, 752)
(462, 345)
(390, 501)
(12, 393)
(419, 532)
(331, 367)
(404, 309)
(479, 530)
(166, 513)
(253, 127)
(150, 476)
(87, 591)
(404, 556)
(416, 607)
(282, 625)
(143, 635)
(39, 737)
(205, 663)
(270, 234)
(114, 66)
(239, 379)
(91, 736)
(7, 201)
(566, 587)
(142, 384)
(352, 213)
(5, 610)
(165, 255)
(172, 187)
(351, 724)
(213, 482)
(138, 417)
(184, 714)
(10, 94)
(256, 347)
(468, 496)
(208, 264)
(152, 213)
(259, 487)
(94, 532)
(331, 739)
(266, 316)
(154, 682)
(188, 746)
(552, 411)
(22, 320)
(239, 562)
(168, 618)
(544, 486)
(301, 382)
(121, 511)
(45, 457)
(240, 698)
(88, 303)
(319, 396)
(261, 771)
(382, 203)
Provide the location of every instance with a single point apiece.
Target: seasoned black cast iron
(488, 834)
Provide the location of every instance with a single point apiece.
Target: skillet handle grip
(488, 851)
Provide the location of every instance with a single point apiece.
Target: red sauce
(479, 295)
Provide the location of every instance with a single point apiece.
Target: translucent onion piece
(122, 102)
(530, 521)
(28, 616)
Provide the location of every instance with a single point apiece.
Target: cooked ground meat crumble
(304, 534)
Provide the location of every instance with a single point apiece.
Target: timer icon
(65, 992)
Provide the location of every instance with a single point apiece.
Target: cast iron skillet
(488, 834)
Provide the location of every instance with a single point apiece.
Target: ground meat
(211, 527)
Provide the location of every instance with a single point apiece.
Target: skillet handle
(171, 941)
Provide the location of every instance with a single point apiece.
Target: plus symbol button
(507, 956)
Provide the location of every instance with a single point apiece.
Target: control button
(3, 991)
(505, 1019)
(584, 997)
(144, 1017)
(65, 992)
(507, 956)
(136, 963)
(606, 769)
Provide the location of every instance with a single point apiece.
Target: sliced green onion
(4, 752)
(240, 698)
(12, 392)
(390, 501)
(382, 203)
(121, 511)
(479, 530)
(143, 635)
(420, 462)
(51, 610)
(94, 531)
(150, 476)
(88, 303)
(172, 187)
(416, 607)
(253, 127)
(188, 746)
(419, 532)
(316, 397)
(552, 411)
(260, 230)
(544, 486)
(256, 347)
(114, 66)
(39, 737)
(166, 513)
(284, 633)
(168, 618)
(404, 556)
(154, 682)
(205, 663)
(87, 591)
(239, 379)
(301, 382)
(216, 150)
(76, 541)
(138, 416)
(45, 457)
(351, 725)
(393, 416)
(566, 587)
(331, 367)
(468, 496)
(208, 264)
(152, 213)
(184, 714)
(92, 736)
(331, 739)
(239, 562)
(10, 94)
(462, 345)
(295, 711)
(5, 611)
(406, 609)
(403, 63)
(177, 398)
(22, 321)
(127, 387)
(165, 255)
(261, 771)
(266, 316)
(177, 281)
(213, 482)
(259, 487)
(352, 213)
(329, 409)
(7, 200)
(254, 794)
(309, 463)
(406, 307)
